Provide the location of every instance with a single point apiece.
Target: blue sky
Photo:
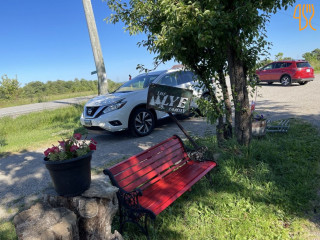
(48, 40)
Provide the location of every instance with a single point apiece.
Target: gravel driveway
(23, 177)
(295, 101)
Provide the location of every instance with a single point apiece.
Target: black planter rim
(47, 162)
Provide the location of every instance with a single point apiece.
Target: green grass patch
(266, 191)
(7, 231)
(47, 98)
(40, 129)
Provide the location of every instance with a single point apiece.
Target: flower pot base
(72, 177)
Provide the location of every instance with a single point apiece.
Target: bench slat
(141, 168)
(163, 193)
(173, 178)
(118, 168)
(157, 171)
(168, 171)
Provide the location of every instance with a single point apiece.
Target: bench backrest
(148, 167)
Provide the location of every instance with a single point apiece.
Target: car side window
(177, 78)
(268, 67)
(278, 65)
(185, 77)
(169, 80)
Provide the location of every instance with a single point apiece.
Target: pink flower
(70, 148)
(55, 149)
(73, 148)
(77, 136)
(46, 152)
(62, 144)
(92, 146)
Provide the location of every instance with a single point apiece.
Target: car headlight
(114, 106)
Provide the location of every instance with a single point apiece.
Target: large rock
(42, 222)
(95, 209)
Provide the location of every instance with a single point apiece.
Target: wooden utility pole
(96, 48)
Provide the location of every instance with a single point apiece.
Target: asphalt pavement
(37, 107)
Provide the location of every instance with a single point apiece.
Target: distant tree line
(10, 87)
(312, 57)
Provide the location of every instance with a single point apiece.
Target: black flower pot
(70, 177)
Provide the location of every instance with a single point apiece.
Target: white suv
(126, 107)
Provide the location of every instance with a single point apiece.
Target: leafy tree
(309, 56)
(316, 53)
(313, 58)
(203, 35)
(9, 87)
(279, 56)
(263, 63)
(35, 88)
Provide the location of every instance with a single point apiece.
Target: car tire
(303, 83)
(141, 122)
(285, 80)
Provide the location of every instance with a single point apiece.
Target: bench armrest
(129, 200)
(112, 179)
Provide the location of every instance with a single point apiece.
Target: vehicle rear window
(303, 64)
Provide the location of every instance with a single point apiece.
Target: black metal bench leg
(146, 226)
(121, 218)
(208, 176)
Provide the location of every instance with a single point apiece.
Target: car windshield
(137, 83)
(303, 64)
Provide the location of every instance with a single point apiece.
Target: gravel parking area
(295, 101)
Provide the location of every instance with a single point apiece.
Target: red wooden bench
(152, 180)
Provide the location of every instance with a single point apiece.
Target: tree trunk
(220, 131)
(227, 104)
(240, 97)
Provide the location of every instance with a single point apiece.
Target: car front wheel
(142, 122)
(285, 80)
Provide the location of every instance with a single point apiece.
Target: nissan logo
(89, 111)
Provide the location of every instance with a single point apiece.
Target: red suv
(286, 72)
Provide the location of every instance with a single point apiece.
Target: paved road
(36, 107)
(23, 176)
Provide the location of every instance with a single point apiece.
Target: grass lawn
(266, 191)
(23, 101)
(39, 129)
